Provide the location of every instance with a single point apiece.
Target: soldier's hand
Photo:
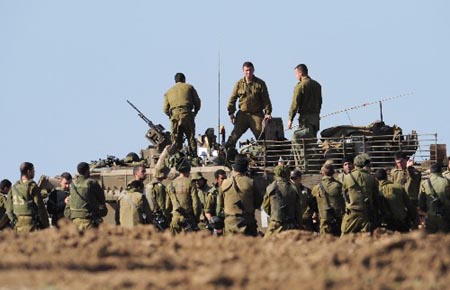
(232, 118)
(67, 200)
(289, 124)
(268, 117)
(410, 163)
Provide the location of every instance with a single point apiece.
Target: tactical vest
(79, 200)
(180, 195)
(130, 210)
(281, 207)
(23, 203)
(238, 196)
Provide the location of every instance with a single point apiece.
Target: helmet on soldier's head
(197, 176)
(183, 165)
(361, 160)
(131, 157)
(281, 171)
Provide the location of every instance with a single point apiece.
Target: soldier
(407, 176)
(134, 208)
(202, 188)
(25, 207)
(281, 203)
(434, 199)
(238, 199)
(211, 200)
(308, 204)
(330, 202)
(56, 200)
(361, 198)
(157, 197)
(447, 172)
(86, 204)
(307, 101)
(181, 104)
(399, 213)
(184, 200)
(5, 186)
(254, 105)
(347, 167)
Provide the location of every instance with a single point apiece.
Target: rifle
(159, 221)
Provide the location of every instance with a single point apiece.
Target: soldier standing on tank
(407, 176)
(330, 202)
(308, 204)
(361, 196)
(5, 186)
(281, 203)
(238, 198)
(56, 199)
(399, 213)
(181, 104)
(446, 173)
(134, 208)
(347, 167)
(307, 101)
(183, 199)
(86, 204)
(202, 188)
(254, 105)
(25, 207)
(434, 199)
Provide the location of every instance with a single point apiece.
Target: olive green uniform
(87, 204)
(26, 207)
(360, 202)
(157, 197)
(435, 200)
(308, 206)
(331, 205)
(181, 104)
(134, 209)
(211, 201)
(182, 197)
(281, 203)
(4, 220)
(400, 213)
(238, 198)
(307, 101)
(202, 194)
(254, 103)
(410, 179)
(446, 174)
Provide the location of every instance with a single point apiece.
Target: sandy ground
(117, 258)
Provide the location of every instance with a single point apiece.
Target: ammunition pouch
(159, 221)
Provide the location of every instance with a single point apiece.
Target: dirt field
(116, 258)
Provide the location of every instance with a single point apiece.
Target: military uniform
(361, 202)
(4, 220)
(410, 179)
(238, 199)
(202, 194)
(435, 200)
(308, 206)
(87, 204)
(400, 213)
(254, 103)
(134, 209)
(56, 204)
(307, 101)
(184, 201)
(446, 174)
(211, 201)
(331, 205)
(157, 197)
(181, 104)
(26, 208)
(281, 203)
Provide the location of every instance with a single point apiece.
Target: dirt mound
(118, 258)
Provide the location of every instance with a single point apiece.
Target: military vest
(179, 192)
(80, 201)
(282, 198)
(131, 211)
(238, 193)
(22, 199)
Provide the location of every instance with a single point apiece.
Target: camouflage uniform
(4, 220)
(202, 194)
(87, 204)
(157, 197)
(181, 196)
(134, 208)
(410, 180)
(211, 201)
(26, 207)
(281, 203)
(56, 204)
(254, 102)
(435, 200)
(361, 202)
(446, 174)
(331, 205)
(238, 198)
(181, 104)
(400, 213)
(307, 101)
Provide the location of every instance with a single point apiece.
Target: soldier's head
(436, 168)
(27, 170)
(180, 78)
(240, 163)
(248, 69)
(347, 164)
(183, 166)
(296, 176)
(137, 185)
(66, 180)
(327, 170)
(281, 171)
(83, 169)
(220, 175)
(139, 173)
(5, 186)
(301, 71)
(400, 159)
(362, 160)
(161, 173)
(198, 178)
(381, 174)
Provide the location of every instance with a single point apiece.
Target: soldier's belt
(79, 210)
(184, 108)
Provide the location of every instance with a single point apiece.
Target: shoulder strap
(433, 192)
(327, 198)
(76, 191)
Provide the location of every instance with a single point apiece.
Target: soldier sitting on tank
(133, 206)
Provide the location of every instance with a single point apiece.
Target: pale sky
(68, 67)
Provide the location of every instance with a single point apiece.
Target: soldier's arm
(266, 100)
(42, 212)
(266, 203)
(423, 197)
(294, 104)
(166, 106)
(233, 98)
(196, 100)
(220, 201)
(196, 204)
(99, 196)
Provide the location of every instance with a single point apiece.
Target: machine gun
(156, 134)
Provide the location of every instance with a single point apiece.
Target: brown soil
(117, 258)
